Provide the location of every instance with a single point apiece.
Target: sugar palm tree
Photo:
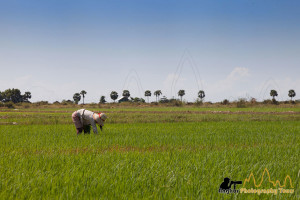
(126, 93)
(157, 93)
(274, 94)
(148, 94)
(102, 99)
(201, 94)
(83, 93)
(76, 97)
(292, 94)
(181, 93)
(114, 95)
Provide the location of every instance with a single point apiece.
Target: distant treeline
(14, 95)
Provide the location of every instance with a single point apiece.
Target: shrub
(40, 103)
(67, 102)
(275, 102)
(225, 102)
(94, 105)
(26, 106)
(268, 101)
(176, 103)
(138, 100)
(253, 101)
(241, 103)
(164, 100)
(9, 105)
(198, 102)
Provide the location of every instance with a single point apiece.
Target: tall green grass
(158, 116)
(171, 160)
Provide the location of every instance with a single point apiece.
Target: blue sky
(230, 49)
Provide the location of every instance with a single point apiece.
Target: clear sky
(229, 49)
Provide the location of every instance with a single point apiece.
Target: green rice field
(149, 153)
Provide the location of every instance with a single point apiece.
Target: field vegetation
(147, 152)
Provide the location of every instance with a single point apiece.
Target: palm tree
(201, 94)
(292, 94)
(76, 97)
(157, 93)
(148, 94)
(181, 93)
(83, 93)
(273, 93)
(114, 95)
(102, 99)
(126, 93)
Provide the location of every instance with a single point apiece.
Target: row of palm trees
(77, 96)
(114, 95)
(291, 94)
(201, 94)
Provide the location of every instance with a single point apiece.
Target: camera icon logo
(225, 187)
